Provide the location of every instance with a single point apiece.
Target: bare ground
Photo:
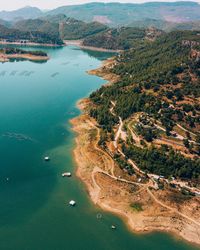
(160, 210)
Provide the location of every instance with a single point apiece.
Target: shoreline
(86, 154)
(79, 43)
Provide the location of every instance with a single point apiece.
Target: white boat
(113, 227)
(72, 203)
(67, 174)
(46, 158)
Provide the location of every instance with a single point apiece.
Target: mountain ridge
(129, 12)
(180, 11)
(22, 13)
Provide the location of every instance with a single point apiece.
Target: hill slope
(121, 39)
(116, 14)
(23, 13)
(61, 27)
(38, 25)
(73, 29)
(158, 14)
(92, 34)
(13, 35)
(161, 79)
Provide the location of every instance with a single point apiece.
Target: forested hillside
(5, 23)
(61, 26)
(12, 35)
(160, 79)
(122, 38)
(72, 29)
(166, 25)
(55, 29)
(50, 29)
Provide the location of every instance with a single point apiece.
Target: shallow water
(37, 100)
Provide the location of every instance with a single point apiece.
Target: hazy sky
(50, 4)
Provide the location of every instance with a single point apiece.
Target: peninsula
(138, 141)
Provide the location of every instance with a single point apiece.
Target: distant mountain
(5, 23)
(166, 26)
(187, 26)
(24, 13)
(118, 14)
(162, 15)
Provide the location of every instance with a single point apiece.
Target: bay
(37, 100)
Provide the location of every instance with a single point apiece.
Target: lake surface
(37, 100)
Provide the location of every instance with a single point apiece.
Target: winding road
(146, 186)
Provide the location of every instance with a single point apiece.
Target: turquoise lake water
(37, 100)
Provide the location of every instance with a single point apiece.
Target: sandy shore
(98, 170)
(3, 59)
(79, 43)
(8, 57)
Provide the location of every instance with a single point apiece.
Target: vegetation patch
(136, 206)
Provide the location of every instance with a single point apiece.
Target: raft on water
(67, 174)
(72, 203)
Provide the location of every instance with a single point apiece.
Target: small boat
(46, 158)
(72, 203)
(67, 174)
(113, 227)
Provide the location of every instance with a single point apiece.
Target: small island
(8, 54)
